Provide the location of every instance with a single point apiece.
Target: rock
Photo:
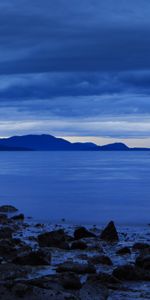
(82, 232)
(34, 258)
(19, 217)
(8, 209)
(21, 290)
(143, 261)
(39, 225)
(9, 271)
(103, 278)
(124, 251)
(70, 281)
(110, 234)
(78, 245)
(3, 219)
(56, 239)
(7, 248)
(60, 283)
(131, 273)
(93, 291)
(75, 267)
(35, 293)
(126, 272)
(140, 246)
(100, 259)
(10, 248)
(6, 233)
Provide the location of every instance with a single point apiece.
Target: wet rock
(110, 234)
(100, 259)
(35, 293)
(22, 290)
(70, 281)
(103, 278)
(39, 225)
(19, 217)
(59, 282)
(124, 251)
(75, 267)
(34, 258)
(8, 209)
(7, 248)
(82, 232)
(6, 233)
(143, 261)
(9, 271)
(3, 219)
(93, 290)
(140, 246)
(126, 272)
(56, 239)
(78, 245)
(131, 273)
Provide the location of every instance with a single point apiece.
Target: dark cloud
(68, 61)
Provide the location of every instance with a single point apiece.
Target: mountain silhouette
(46, 142)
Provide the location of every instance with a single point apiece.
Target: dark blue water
(88, 187)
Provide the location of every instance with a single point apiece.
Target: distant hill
(50, 143)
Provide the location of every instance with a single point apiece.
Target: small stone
(100, 259)
(19, 217)
(77, 268)
(124, 251)
(8, 209)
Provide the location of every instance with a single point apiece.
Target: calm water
(88, 187)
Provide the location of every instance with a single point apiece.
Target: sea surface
(80, 187)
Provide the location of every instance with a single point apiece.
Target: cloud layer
(75, 67)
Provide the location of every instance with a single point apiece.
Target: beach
(69, 261)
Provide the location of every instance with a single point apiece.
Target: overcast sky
(77, 68)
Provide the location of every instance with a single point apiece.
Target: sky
(76, 69)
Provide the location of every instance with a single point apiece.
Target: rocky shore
(60, 261)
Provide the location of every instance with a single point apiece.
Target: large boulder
(78, 268)
(82, 232)
(109, 234)
(56, 238)
(34, 258)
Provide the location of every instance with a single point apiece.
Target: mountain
(8, 148)
(115, 147)
(45, 143)
(50, 143)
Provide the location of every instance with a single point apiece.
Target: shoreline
(65, 261)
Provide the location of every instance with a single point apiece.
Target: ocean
(80, 187)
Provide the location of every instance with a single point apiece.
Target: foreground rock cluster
(76, 263)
